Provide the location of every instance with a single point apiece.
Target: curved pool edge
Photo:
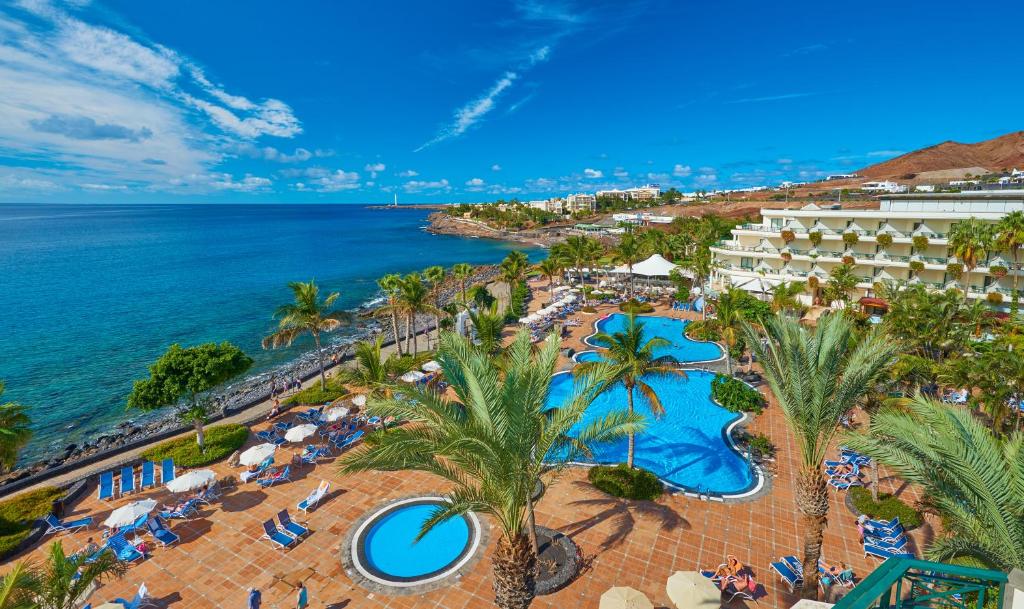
(721, 349)
(758, 485)
(360, 575)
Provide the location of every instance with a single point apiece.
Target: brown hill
(997, 154)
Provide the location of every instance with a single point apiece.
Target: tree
(14, 431)
(654, 241)
(309, 314)
(462, 272)
(188, 372)
(513, 267)
(699, 263)
(1010, 238)
(15, 588)
(488, 323)
(971, 241)
(973, 477)
(491, 443)
(817, 377)
(629, 251)
(550, 268)
(579, 252)
(62, 581)
(435, 279)
(996, 368)
(374, 372)
(729, 317)
(391, 285)
(784, 297)
(841, 282)
(631, 359)
(413, 299)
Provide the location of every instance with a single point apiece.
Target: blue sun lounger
(271, 480)
(884, 553)
(290, 526)
(127, 480)
(123, 550)
(166, 471)
(270, 437)
(314, 498)
(793, 579)
(148, 478)
(60, 526)
(106, 488)
(886, 525)
(161, 533)
(349, 441)
(275, 536)
(889, 544)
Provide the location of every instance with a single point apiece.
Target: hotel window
(989, 280)
(746, 263)
(777, 223)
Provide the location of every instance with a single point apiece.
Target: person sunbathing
(733, 565)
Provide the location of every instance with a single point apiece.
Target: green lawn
(18, 514)
(221, 441)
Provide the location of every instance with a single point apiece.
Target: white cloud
(495, 167)
(540, 55)
(784, 161)
(620, 173)
(20, 183)
(706, 179)
(681, 171)
(878, 153)
(375, 168)
(104, 187)
(409, 173)
(474, 111)
(424, 185)
(474, 184)
(321, 179)
(658, 177)
(593, 173)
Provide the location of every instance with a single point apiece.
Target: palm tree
(1010, 238)
(579, 252)
(817, 377)
(629, 251)
(435, 278)
(513, 267)
(374, 372)
(489, 324)
(14, 431)
(15, 588)
(632, 362)
(391, 285)
(971, 475)
(551, 268)
(462, 272)
(490, 443)
(309, 314)
(841, 281)
(654, 241)
(699, 263)
(970, 241)
(414, 300)
(729, 315)
(784, 297)
(54, 585)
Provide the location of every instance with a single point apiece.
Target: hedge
(735, 395)
(18, 514)
(886, 508)
(629, 483)
(703, 330)
(636, 307)
(315, 396)
(221, 441)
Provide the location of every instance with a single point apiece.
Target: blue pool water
(681, 349)
(685, 447)
(390, 548)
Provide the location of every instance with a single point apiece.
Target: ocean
(91, 294)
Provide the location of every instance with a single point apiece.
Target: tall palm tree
(491, 443)
(841, 282)
(729, 317)
(488, 323)
(632, 362)
(1010, 238)
(462, 272)
(374, 372)
(435, 279)
(62, 581)
(414, 298)
(550, 268)
(971, 241)
(629, 251)
(817, 376)
(971, 475)
(699, 263)
(14, 431)
(579, 252)
(309, 314)
(391, 285)
(654, 241)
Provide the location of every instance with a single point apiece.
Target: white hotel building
(779, 248)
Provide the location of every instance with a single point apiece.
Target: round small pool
(385, 549)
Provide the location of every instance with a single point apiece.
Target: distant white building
(541, 205)
(641, 218)
(581, 203)
(841, 176)
(924, 188)
(642, 193)
(963, 182)
(553, 205)
(883, 186)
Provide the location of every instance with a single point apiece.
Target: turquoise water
(680, 349)
(92, 294)
(685, 447)
(390, 545)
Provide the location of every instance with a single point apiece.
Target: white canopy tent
(757, 285)
(655, 266)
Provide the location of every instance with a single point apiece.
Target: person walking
(255, 598)
(301, 597)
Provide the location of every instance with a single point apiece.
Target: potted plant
(884, 239)
(994, 298)
(955, 269)
(916, 265)
(920, 242)
(787, 235)
(998, 271)
(815, 237)
(786, 256)
(848, 259)
(851, 238)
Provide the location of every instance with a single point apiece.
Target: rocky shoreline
(442, 223)
(234, 398)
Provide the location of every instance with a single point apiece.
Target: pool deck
(636, 544)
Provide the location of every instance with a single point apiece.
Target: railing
(905, 583)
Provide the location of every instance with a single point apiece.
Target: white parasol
(127, 514)
(359, 400)
(257, 454)
(338, 412)
(300, 432)
(191, 481)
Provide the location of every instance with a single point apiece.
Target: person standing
(301, 597)
(255, 598)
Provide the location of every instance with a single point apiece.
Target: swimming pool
(680, 349)
(385, 550)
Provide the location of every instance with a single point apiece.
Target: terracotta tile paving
(623, 543)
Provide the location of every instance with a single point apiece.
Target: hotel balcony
(836, 234)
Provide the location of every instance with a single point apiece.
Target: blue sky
(267, 101)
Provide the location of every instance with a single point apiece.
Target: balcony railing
(905, 583)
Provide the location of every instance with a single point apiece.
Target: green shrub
(736, 396)
(621, 481)
(955, 269)
(884, 239)
(316, 396)
(636, 307)
(920, 242)
(221, 441)
(886, 508)
(762, 444)
(704, 330)
(589, 309)
(18, 514)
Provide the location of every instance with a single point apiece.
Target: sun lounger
(281, 427)
(166, 471)
(842, 485)
(887, 525)
(161, 533)
(106, 488)
(59, 526)
(148, 475)
(883, 553)
(137, 601)
(279, 476)
(890, 544)
(123, 550)
(290, 526)
(270, 437)
(127, 480)
(792, 578)
(314, 498)
(349, 441)
(310, 457)
(188, 510)
(275, 536)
